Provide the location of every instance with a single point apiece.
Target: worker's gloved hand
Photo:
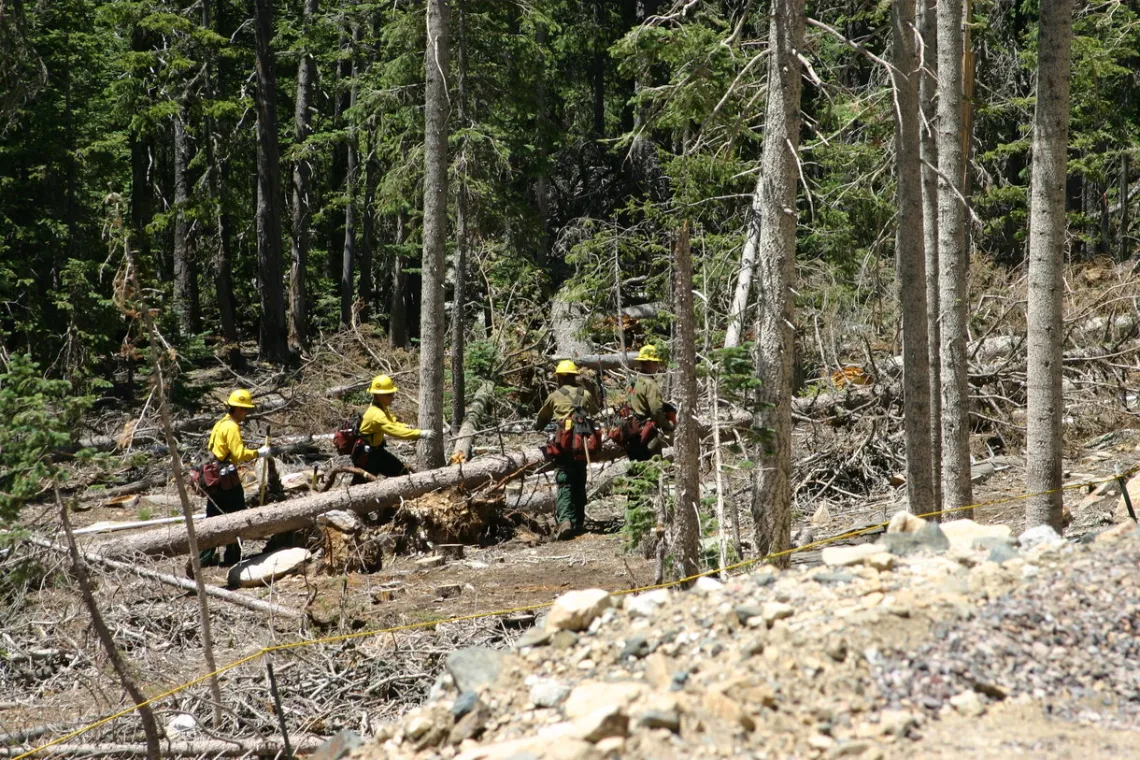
(427, 435)
(265, 452)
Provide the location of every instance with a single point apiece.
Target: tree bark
(274, 333)
(347, 262)
(686, 525)
(910, 259)
(185, 277)
(107, 639)
(1047, 223)
(398, 311)
(459, 262)
(465, 440)
(216, 182)
(302, 182)
(1125, 167)
(772, 493)
(953, 261)
(928, 150)
(740, 296)
(430, 452)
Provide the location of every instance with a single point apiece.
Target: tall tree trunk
(542, 122)
(910, 259)
(928, 149)
(348, 263)
(367, 223)
(340, 101)
(598, 70)
(274, 333)
(1123, 242)
(459, 263)
(430, 452)
(398, 312)
(1046, 257)
(686, 525)
(302, 181)
(743, 290)
(217, 181)
(953, 261)
(772, 493)
(185, 276)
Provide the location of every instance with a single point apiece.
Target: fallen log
(615, 360)
(337, 391)
(250, 603)
(369, 497)
(300, 513)
(478, 407)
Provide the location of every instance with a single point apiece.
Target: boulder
(645, 605)
(476, 668)
(928, 537)
(905, 522)
(546, 692)
(963, 533)
(592, 695)
(1037, 535)
(263, 569)
(846, 556)
(575, 610)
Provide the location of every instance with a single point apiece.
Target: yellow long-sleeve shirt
(378, 422)
(226, 444)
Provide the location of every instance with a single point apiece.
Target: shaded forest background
(581, 132)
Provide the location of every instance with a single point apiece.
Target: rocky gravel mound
(861, 657)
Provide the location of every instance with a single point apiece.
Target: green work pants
(223, 503)
(570, 504)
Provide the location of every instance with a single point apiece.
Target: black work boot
(564, 531)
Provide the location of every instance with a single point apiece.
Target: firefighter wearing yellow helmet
(226, 450)
(380, 422)
(648, 405)
(570, 503)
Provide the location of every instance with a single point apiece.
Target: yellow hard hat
(241, 399)
(648, 353)
(566, 367)
(382, 385)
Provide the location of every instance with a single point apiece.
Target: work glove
(265, 452)
(427, 435)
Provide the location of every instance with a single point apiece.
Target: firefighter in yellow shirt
(570, 499)
(379, 422)
(228, 451)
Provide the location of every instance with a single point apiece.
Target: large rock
(645, 605)
(963, 533)
(476, 668)
(266, 568)
(846, 556)
(546, 692)
(1037, 535)
(592, 695)
(905, 522)
(928, 537)
(575, 610)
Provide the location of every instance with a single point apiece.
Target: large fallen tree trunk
(478, 407)
(299, 513)
(615, 360)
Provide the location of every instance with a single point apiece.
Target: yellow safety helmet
(566, 367)
(241, 399)
(382, 385)
(648, 353)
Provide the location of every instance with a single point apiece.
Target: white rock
(773, 611)
(968, 703)
(645, 605)
(546, 692)
(845, 556)
(575, 610)
(265, 568)
(905, 522)
(962, 533)
(182, 723)
(342, 520)
(882, 561)
(592, 695)
(1038, 535)
(706, 584)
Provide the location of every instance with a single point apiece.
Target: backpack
(345, 438)
(629, 425)
(578, 437)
